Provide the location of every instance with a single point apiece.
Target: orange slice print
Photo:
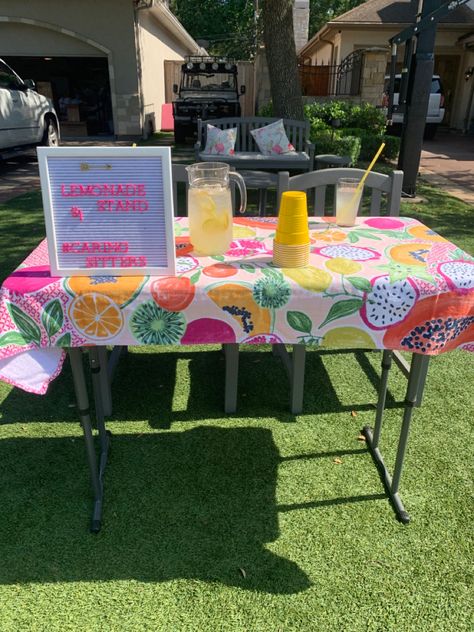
(96, 316)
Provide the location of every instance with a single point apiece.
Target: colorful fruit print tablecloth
(386, 283)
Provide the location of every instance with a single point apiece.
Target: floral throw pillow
(220, 141)
(272, 139)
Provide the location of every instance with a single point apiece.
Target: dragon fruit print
(355, 253)
(388, 303)
(459, 275)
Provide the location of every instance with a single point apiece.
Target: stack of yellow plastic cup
(291, 243)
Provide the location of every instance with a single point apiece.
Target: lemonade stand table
(386, 283)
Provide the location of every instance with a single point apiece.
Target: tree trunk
(279, 39)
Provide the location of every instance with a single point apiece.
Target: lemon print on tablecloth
(122, 290)
(348, 337)
(242, 232)
(310, 278)
(96, 316)
(343, 266)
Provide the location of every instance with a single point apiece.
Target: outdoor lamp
(468, 73)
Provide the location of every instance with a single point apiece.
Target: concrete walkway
(448, 162)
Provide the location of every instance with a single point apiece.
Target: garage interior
(79, 88)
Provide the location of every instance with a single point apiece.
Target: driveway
(448, 161)
(20, 174)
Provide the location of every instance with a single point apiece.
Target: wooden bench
(247, 155)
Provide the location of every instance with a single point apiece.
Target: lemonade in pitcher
(210, 206)
(210, 219)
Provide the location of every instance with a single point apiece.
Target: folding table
(387, 283)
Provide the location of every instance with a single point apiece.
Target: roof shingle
(399, 12)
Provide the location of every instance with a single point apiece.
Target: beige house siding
(102, 28)
(155, 46)
(40, 41)
(72, 26)
(350, 39)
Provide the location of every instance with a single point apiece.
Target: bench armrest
(310, 150)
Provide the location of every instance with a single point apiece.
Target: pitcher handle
(242, 189)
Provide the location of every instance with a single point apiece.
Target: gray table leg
(295, 367)
(231, 352)
(419, 368)
(82, 399)
(97, 368)
(105, 382)
(386, 365)
(297, 379)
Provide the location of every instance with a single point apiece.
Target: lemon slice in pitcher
(206, 204)
(216, 224)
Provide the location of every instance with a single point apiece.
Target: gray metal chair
(108, 362)
(317, 183)
(179, 176)
(377, 186)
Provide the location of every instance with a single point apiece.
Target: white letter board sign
(108, 210)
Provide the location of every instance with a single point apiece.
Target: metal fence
(341, 80)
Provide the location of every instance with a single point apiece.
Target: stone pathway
(448, 162)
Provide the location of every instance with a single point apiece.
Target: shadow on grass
(198, 504)
(188, 386)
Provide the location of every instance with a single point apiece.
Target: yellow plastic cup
(290, 256)
(292, 226)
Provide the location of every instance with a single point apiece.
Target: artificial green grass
(248, 522)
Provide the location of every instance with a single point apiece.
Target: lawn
(259, 521)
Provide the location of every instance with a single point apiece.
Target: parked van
(26, 117)
(436, 110)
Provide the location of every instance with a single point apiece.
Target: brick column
(373, 75)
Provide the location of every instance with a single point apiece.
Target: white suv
(26, 117)
(435, 113)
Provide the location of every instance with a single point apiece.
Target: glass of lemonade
(210, 206)
(347, 201)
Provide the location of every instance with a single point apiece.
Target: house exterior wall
(350, 39)
(155, 46)
(80, 28)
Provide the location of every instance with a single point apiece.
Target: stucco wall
(156, 46)
(41, 42)
(355, 38)
(79, 27)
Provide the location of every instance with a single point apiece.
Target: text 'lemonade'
(210, 218)
(347, 202)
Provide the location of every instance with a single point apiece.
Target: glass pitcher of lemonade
(210, 206)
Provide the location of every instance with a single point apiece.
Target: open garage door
(79, 88)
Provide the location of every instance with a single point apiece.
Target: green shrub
(328, 111)
(371, 142)
(266, 110)
(328, 143)
(392, 147)
(366, 117)
(318, 125)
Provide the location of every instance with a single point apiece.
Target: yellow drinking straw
(364, 177)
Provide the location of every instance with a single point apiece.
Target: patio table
(386, 283)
